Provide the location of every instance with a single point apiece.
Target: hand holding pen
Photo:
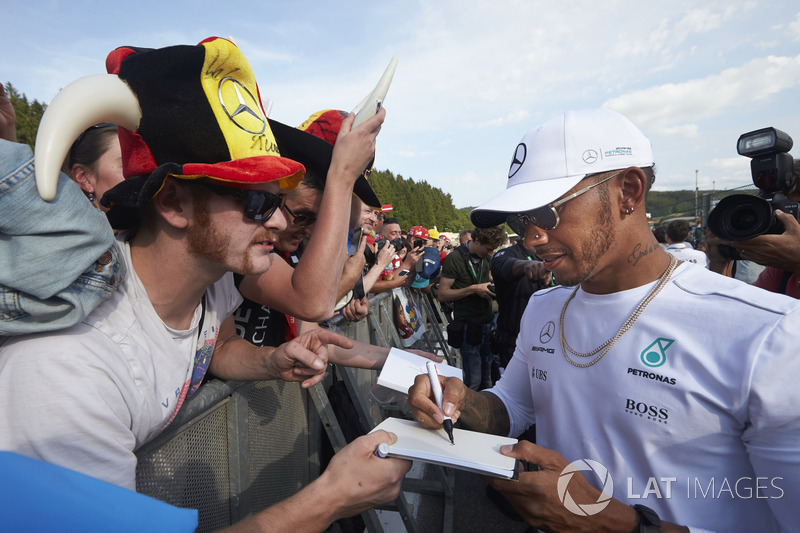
(436, 387)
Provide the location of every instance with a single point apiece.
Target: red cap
(418, 231)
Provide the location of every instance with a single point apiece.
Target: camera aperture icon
(585, 465)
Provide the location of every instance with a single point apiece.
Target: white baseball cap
(553, 157)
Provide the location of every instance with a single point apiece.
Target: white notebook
(472, 451)
(401, 367)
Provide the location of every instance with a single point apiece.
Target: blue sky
(472, 77)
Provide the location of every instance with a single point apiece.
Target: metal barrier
(236, 448)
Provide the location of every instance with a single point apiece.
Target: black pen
(437, 394)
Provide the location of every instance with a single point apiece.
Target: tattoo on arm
(485, 412)
(641, 250)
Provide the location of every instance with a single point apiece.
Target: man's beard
(207, 241)
(594, 248)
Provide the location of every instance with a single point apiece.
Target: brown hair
(491, 237)
(678, 230)
(90, 146)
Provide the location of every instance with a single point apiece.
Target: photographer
(780, 254)
(777, 245)
(397, 273)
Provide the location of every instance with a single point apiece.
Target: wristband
(649, 522)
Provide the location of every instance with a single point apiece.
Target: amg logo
(542, 349)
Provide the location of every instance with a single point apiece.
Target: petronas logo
(655, 355)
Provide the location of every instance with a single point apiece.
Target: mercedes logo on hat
(589, 156)
(244, 115)
(519, 159)
(546, 335)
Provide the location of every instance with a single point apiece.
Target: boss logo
(644, 410)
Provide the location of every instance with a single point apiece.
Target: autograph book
(472, 451)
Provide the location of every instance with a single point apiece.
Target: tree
(29, 114)
(418, 203)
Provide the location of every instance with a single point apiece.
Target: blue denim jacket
(57, 259)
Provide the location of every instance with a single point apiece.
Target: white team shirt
(88, 396)
(683, 252)
(701, 393)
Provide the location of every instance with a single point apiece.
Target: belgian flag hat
(198, 115)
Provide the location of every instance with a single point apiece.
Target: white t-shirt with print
(87, 397)
(683, 252)
(701, 393)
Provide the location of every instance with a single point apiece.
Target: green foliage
(418, 203)
(29, 114)
(670, 204)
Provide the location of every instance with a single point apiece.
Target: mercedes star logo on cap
(244, 115)
(519, 158)
(589, 156)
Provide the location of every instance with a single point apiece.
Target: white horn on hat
(82, 103)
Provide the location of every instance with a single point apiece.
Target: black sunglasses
(547, 217)
(258, 205)
(300, 219)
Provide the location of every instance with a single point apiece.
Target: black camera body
(371, 257)
(397, 243)
(418, 243)
(743, 216)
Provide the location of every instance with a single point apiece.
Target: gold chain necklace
(606, 346)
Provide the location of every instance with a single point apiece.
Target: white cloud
(515, 117)
(730, 172)
(668, 109)
(794, 28)
(700, 21)
(731, 164)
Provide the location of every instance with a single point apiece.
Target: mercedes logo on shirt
(546, 335)
(519, 159)
(245, 110)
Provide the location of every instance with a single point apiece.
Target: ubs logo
(548, 330)
(519, 158)
(246, 111)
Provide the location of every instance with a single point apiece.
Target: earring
(537, 236)
(91, 197)
(629, 211)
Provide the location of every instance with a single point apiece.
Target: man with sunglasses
(201, 200)
(658, 378)
(267, 317)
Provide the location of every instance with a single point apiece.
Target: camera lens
(743, 218)
(739, 217)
